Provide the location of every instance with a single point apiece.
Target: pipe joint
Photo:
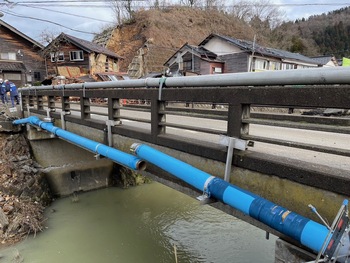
(205, 197)
(206, 186)
(134, 147)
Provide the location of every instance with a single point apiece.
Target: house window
(13, 76)
(57, 56)
(261, 64)
(8, 56)
(274, 65)
(76, 55)
(216, 70)
(37, 76)
(286, 66)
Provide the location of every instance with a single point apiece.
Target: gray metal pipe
(311, 76)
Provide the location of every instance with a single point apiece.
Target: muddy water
(140, 225)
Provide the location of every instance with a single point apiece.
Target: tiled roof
(254, 47)
(198, 51)
(323, 59)
(12, 66)
(203, 52)
(89, 46)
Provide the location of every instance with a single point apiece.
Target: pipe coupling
(134, 146)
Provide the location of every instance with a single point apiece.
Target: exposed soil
(164, 31)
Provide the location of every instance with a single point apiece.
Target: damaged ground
(24, 192)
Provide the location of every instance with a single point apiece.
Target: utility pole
(252, 57)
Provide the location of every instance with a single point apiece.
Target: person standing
(11, 87)
(3, 92)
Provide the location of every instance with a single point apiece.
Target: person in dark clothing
(3, 92)
(11, 87)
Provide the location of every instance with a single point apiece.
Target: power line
(63, 2)
(47, 21)
(61, 12)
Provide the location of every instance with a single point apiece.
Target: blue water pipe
(115, 155)
(307, 232)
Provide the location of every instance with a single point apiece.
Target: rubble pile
(24, 191)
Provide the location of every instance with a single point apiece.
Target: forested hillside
(325, 34)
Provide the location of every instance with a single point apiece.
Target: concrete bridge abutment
(68, 168)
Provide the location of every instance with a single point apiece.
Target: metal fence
(274, 112)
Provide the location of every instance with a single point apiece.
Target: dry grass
(168, 29)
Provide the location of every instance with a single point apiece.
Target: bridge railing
(191, 113)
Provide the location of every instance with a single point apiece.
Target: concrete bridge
(269, 133)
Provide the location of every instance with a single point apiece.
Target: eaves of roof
(198, 51)
(17, 32)
(12, 66)
(251, 47)
(90, 46)
(323, 59)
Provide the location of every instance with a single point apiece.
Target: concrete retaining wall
(68, 168)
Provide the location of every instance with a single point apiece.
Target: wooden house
(20, 59)
(73, 57)
(235, 55)
(327, 61)
(194, 60)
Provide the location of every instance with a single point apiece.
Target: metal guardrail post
(63, 121)
(109, 124)
(28, 109)
(231, 143)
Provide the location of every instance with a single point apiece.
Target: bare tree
(263, 10)
(125, 9)
(190, 3)
(242, 10)
(211, 4)
(159, 4)
(51, 51)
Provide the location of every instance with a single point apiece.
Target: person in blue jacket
(3, 92)
(11, 87)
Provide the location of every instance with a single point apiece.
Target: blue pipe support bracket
(307, 232)
(115, 155)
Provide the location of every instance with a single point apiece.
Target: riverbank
(24, 192)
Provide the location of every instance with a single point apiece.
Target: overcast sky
(32, 17)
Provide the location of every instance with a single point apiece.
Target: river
(143, 224)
